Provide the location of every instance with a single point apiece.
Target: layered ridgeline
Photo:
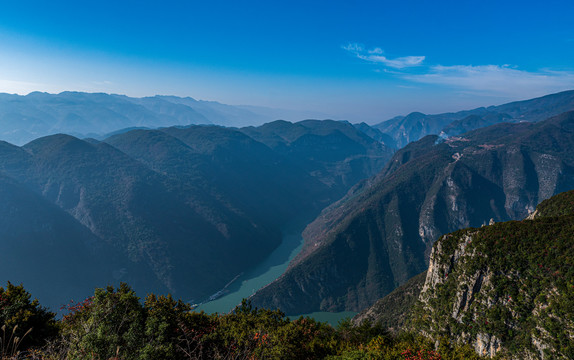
(24, 118)
(333, 151)
(381, 233)
(181, 210)
(405, 129)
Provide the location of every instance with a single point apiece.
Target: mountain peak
(57, 142)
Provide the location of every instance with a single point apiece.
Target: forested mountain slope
(335, 152)
(45, 247)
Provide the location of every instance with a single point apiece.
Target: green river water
(267, 271)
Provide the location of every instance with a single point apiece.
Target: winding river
(270, 269)
(264, 273)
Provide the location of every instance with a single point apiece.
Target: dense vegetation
(559, 205)
(115, 324)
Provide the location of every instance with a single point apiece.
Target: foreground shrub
(110, 324)
(115, 324)
(24, 323)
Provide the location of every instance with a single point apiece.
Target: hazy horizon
(312, 115)
(358, 62)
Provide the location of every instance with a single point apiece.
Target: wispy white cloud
(491, 80)
(375, 55)
(354, 48)
(397, 63)
(496, 79)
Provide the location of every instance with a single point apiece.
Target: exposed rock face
(380, 235)
(468, 287)
(487, 345)
(504, 288)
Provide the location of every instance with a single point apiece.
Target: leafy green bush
(109, 324)
(23, 319)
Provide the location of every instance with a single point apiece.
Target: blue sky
(356, 60)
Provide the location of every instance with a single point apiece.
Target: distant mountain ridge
(25, 118)
(416, 125)
(318, 147)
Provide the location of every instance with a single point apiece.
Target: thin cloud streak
(375, 56)
(490, 80)
(495, 79)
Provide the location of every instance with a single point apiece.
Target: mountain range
(416, 125)
(25, 118)
(381, 233)
(185, 209)
(182, 210)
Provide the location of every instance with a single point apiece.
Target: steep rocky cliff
(506, 289)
